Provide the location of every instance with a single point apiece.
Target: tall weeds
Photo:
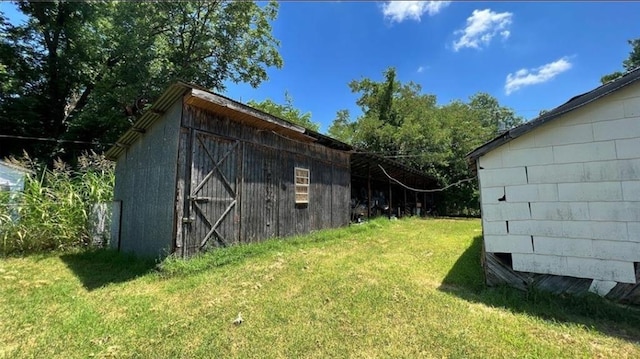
(54, 209)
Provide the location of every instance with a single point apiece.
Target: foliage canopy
(85, 70)
(287, 111)
(399, 121)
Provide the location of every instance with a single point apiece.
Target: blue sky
(550, 51)
(529, 55)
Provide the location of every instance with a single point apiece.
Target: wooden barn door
(214, 193)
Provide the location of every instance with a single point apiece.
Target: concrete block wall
(564, 199)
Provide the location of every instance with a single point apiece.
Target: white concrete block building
(560, 196)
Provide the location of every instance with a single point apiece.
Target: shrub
(54, 209)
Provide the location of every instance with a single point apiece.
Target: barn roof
(574, 103)
(202, 98)
(363, 164)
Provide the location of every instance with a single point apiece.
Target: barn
(199, 170)
(560, 196)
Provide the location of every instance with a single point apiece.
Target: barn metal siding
(267, 205)
(146, 186)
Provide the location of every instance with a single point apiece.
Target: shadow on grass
(466, 280)
(100, 267)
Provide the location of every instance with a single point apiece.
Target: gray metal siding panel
(146, 185)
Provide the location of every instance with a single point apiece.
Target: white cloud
(527, 77)
(399, 11)
(482, 26)
(420, 69)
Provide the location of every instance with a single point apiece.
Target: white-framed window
(302, 185)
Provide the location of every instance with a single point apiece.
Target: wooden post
(368, 191)
(390, 203)
(404, 205)
(415, 194)
(424, 200)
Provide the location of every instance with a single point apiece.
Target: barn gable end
(560, 196)
(145, 185)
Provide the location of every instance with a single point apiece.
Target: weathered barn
(199, 170)
(560, 196)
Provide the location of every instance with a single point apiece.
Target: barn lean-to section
(560, 197)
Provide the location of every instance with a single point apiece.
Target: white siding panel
(615, 211)
(588, 248)
(569, 172)
(567, 247)
(558, 211)
(602, 171)
(491, 194)
(532, 193)
(633, 229)
(529, 156)
(629, 169)
(602, 287)
(539, 263)
(505, 211)
(623, 93)
(603, 110)
(631, 190)
(616, 231)
(522, 142)
(612, 130)
(622, 251)
(556, 135)
(632, 107)
(502, 177)
(585, 152)
(612, 170)
(536, 228)
(494, 228)
(601, 269)
(593, 191)
(508, 244)
(629, 148)
(575, 267)
(492, 159)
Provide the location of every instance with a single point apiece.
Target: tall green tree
(399, 121)
(86, 70)
(286, 112)
(342, 127)
(628, 64)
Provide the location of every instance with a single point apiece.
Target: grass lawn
(408, 288)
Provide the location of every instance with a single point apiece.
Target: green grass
(408, 288)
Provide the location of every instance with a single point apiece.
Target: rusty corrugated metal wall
(145, 189)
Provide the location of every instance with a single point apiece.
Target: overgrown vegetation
(406, 288)
(55, 208)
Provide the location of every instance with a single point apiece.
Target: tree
(85, 71)
(286, 112)
(629, 64)
(401, 122)
(494, 117)
(342, 128)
